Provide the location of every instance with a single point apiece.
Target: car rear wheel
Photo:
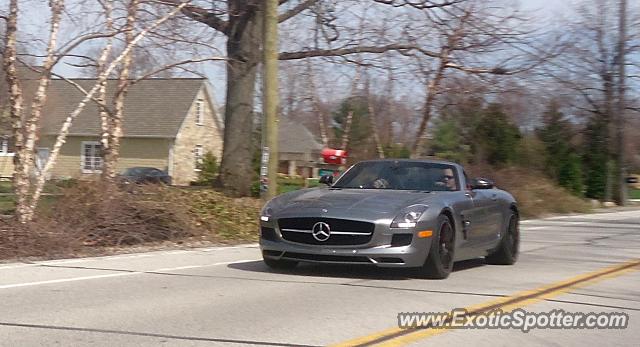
(280, 264)
(439, 262)
(507, 251)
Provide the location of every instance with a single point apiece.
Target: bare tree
(372, 118)
(593, 70)
(468, 34)
(25, 132)
(25, 127)
(240, 23)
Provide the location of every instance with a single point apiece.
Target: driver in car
(449, 180)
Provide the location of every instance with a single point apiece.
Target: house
(168, 124)
(299, 151)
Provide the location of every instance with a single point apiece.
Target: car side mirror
(482, 183)
(326, 179)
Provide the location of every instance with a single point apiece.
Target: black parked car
(140, 175)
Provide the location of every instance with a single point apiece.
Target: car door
(474, 224)
(486, 200)
(496, 215)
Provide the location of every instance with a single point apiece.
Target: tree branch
(201, 15)
(296, 10)
(421, 5)
(171, 66)
(353, 50)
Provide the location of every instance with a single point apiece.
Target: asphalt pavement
(225, 296)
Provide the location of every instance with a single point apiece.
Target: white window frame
(83, 157)
(40, 164)
(4, 148)
(198, 156)
(199, 112)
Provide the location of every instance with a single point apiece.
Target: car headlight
(266, 213)
(409, 216)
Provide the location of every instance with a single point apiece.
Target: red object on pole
(334, 156)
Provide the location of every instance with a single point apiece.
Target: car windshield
(400, 175)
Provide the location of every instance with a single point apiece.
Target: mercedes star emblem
(321, 231)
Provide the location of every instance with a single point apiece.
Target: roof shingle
(153, 107)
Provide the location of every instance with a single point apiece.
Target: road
(227, 297)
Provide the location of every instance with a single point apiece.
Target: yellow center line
(400, 337)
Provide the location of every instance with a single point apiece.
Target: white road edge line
(127, 256)
(120, 274)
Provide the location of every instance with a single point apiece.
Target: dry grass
(95, 215)
(226, 219)
(92, 218)
(536, 195)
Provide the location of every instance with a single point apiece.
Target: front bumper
(379, 251)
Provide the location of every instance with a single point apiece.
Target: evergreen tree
(361, 145)
(596, 158)
(448, 143)
(562, 161)
(497, 138)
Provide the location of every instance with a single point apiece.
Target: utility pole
(270, 102)
(621, 174)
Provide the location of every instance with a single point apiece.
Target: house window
(198, 154)
(91, 157)
(200, 112)
(42, 158)
(5, 147)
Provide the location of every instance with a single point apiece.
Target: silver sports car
(393, 213)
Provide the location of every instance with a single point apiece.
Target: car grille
(268, 234)
(344, 232)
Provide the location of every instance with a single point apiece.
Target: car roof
(433, 161)
(144, 168)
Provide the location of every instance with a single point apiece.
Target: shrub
(93, 216)
(536, 194)
(448, 144)
(208, 170)
(222, 218)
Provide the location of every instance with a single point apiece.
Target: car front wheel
(439, 263)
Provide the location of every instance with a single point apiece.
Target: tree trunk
(432, 91)
(315, 103)
(347, 131)
(374, 129)
(621, 192)
(112, 153)
(244, 53)
(16, 101)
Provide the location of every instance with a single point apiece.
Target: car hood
(349, 202)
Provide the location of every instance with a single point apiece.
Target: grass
(289, 184)
(50, 192)
(634, 193)
(6, 187)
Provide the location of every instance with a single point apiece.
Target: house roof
(296, 138)
(153, 107)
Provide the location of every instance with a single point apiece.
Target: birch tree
(25, 126)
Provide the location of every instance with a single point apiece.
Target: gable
(153, 108)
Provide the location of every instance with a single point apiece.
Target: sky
(542, 9)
